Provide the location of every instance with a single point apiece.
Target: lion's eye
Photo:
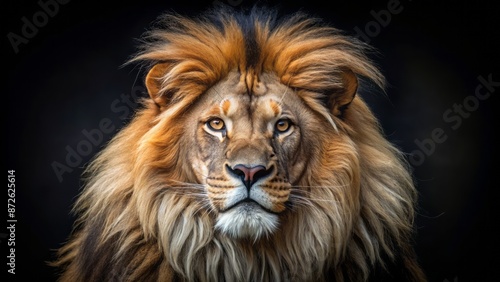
(216, 124)
(283, 125)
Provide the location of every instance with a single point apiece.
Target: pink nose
(249, 175)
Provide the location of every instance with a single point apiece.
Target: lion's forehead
(266, 107)
(233, 98)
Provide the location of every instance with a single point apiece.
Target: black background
(68, 77)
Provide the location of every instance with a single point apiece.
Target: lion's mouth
(248, 205)
(247, 219)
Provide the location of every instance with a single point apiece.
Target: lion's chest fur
(197, 252)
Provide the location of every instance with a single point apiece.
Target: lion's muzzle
(251, 207)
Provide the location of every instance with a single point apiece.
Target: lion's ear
(154, 82)
(340, 100)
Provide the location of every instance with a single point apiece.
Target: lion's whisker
(320, 186)
(310, 200)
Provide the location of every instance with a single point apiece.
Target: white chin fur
(247, 221)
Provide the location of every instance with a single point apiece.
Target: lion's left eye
(283, 125)
(216, 124)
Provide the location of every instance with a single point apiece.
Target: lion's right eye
(283, 125)
(216, 124)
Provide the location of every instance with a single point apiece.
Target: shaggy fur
(145, 215)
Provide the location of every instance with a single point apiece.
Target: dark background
(68, 77)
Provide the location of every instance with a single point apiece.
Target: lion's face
(249, 152)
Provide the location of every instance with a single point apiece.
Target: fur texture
(334, 199)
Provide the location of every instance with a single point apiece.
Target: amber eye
(283, 125)
(216, 124)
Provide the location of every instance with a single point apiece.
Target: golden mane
(135, 224)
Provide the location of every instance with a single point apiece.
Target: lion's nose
(249, 175)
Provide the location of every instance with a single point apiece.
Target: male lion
(252, 160)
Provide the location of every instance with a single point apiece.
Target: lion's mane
(135, 223)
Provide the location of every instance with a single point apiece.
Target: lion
(253, 158)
